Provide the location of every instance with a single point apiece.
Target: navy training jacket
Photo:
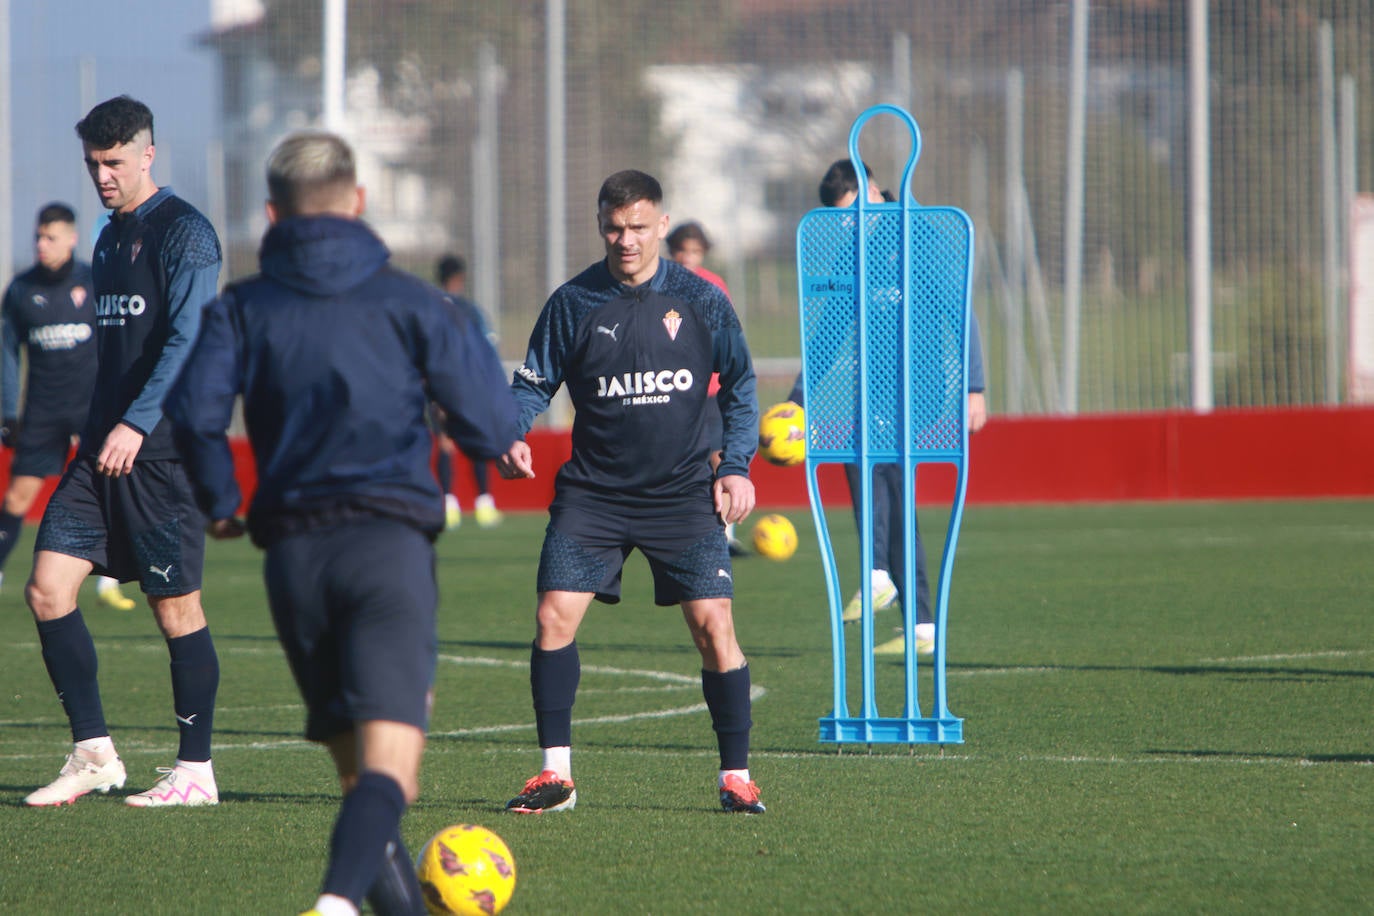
(336, 355)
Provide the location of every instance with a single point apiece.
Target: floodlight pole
(1073, 203)
(335, 39)
(1331, 234)
(486, 187)
(555, 140)
(1199, 210)
(6, 151)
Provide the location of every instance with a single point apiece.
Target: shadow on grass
(588, 649)
(1367, 758)
(1242, 672)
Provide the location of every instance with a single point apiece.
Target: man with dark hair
(635, 338)
(839, 187)
(336, 356)
(124, 507)
(48, 313)
(689, 246)
(451, 273)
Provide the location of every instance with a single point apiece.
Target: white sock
(330, 905)
(559, 759)
(742, 774)
(880, 580)
(98, 749)
(484, 501)
(104, 582)
(199, 767)
(925, 631)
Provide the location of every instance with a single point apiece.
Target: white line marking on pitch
(1288, 656)
(680, 680)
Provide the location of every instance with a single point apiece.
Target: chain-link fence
(470, 116)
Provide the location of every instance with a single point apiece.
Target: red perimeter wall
(1241, 454)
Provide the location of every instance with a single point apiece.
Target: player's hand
(9, 432)
(734, 498)
(223, 529)
(977, 411)
(117, 454)
(517, 461)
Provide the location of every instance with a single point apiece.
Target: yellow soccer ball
(775, 538)
(466, 869)
(782, 435)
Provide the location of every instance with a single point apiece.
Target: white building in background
(748, 143)
(262, 101)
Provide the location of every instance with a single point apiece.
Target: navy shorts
(143, 526)
(354, 606)
(585, 550)
(43, 446)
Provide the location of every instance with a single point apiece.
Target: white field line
(1290, 656)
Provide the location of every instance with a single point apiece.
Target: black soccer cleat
(544, 793)
(740, 796)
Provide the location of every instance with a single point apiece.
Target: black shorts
(44, 443)
(354, 606)
(585, 550)
(143, 526)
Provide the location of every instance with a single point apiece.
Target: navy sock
(396, 892)
(195, 680)
(69, 654)
(553, 682)
(727, 697)
(9, 534)
(368, 820)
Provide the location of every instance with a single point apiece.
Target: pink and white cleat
(179, 785)
(79, 775)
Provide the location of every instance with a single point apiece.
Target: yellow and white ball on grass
(466, 869)
(782, 435)
(775, 538)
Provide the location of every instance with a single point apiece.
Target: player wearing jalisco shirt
(49, 314)
(635, 339)
(124, 506)
(637, 363)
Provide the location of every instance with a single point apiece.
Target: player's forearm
(738, 401)
(976, 382)
(9, 370)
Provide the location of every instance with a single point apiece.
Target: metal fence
(487, 127)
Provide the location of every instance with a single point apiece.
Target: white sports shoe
(485, 511)
(79, 775)
(925, 642)
(179, 785)
(884, 597)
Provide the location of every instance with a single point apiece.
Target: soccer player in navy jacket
(123, 508)
(336, 355)
(635, 338)
(49, 313)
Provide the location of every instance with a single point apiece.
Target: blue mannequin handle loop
(862, 173)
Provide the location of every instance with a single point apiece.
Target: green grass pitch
(1167, 709)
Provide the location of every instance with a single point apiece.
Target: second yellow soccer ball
(782, 434)
(775, 538)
